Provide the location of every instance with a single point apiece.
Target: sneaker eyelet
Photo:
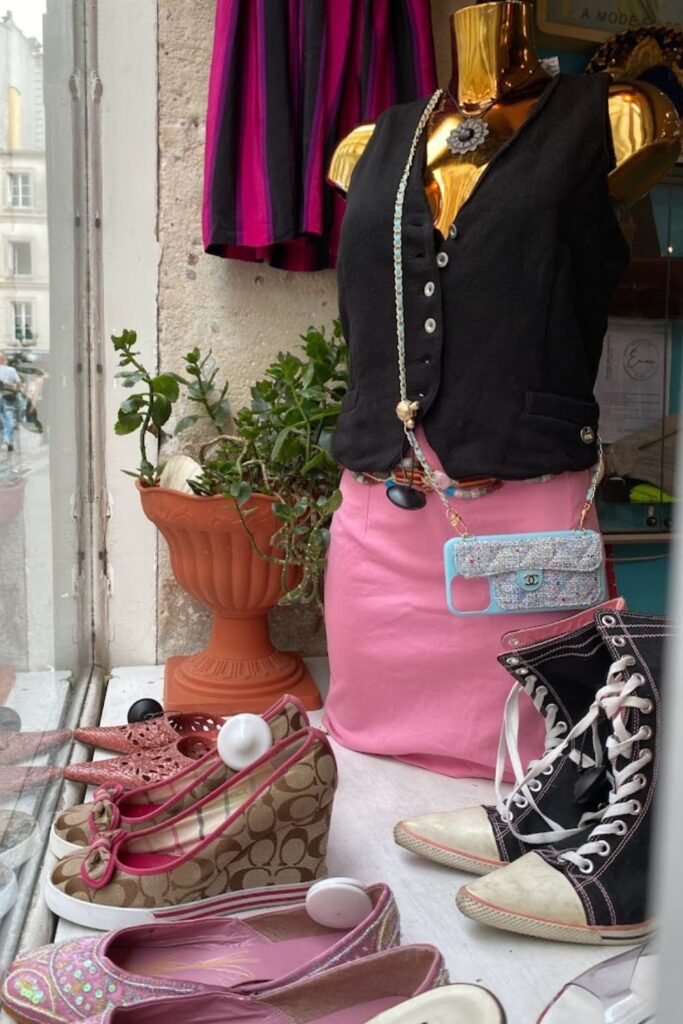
(541, 691)
(605, 849)
(646, 753)
(521, 802)
(639, 677)
(587, 868)
(549, 770)
(620, 827)
(562, 727)
(522, 671)
(532, 679)
(535, 786)
(636, 807)
(619, 641)
(646, 733)
(512, 660)
(630, 660)
(609, 620)
(551, 707)
(641, 780)
(647, 707)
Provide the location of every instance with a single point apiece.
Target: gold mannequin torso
(494, 59)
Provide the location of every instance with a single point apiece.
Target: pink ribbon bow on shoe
(100, 860)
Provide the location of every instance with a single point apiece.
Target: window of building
(23, 321)
(19, 190)
(20, 261)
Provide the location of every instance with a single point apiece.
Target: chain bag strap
(543, 571)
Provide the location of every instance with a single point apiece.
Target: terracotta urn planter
(11, 501)
(214, 560)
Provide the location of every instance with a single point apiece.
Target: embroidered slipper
(60, 984)
(151, 803)
(352, 993)
(260, 839)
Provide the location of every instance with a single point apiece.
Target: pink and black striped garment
(289, 79)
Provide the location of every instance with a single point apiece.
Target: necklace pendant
(470, 135)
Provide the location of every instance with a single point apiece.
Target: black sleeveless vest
(505, 319)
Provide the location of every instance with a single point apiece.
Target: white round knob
(338, 902)
(242, 740)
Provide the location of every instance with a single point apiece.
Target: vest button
(442, 259)
(430, 325)
(453, 231)
(430, 288)
(587, 435)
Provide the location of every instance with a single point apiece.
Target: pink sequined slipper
(352, 993)
(157, 800)
(62, 983)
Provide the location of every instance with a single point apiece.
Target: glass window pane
(44, 576)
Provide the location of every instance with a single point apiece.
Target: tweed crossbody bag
(526, 572)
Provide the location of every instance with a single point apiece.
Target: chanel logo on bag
(530, 579)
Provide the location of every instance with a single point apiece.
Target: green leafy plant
(280, 446)
(149, 410)
(282, 449)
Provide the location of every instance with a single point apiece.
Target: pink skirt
(408, 679)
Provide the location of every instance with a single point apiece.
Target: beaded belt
(407, 474)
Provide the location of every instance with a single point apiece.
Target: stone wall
(244, 312)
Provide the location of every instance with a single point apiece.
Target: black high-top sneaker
(560, 666)
(596, 893)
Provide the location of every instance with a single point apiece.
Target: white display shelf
(373, 794)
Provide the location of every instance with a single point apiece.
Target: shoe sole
(587, 935)
(452, 858)
(59, 847)
(457, 1004)
(104, 918)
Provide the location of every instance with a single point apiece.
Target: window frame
(11, 174)
(11, 272)
(27, 304)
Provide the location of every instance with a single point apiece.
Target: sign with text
(599, 19)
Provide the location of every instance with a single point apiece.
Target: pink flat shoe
(151, 803)
(150, 734)
(258, 840)
(62, 983)
(23, 746)
(350, 994)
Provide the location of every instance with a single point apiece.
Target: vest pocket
(560, 407)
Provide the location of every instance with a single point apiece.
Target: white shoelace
(557, 741)
(627, 780)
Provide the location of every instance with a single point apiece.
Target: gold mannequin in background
(494, 61)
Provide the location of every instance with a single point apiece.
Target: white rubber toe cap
(462, 839)
(528, 896)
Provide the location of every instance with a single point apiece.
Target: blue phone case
(573, 574)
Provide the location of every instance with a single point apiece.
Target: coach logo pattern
(280, 839)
